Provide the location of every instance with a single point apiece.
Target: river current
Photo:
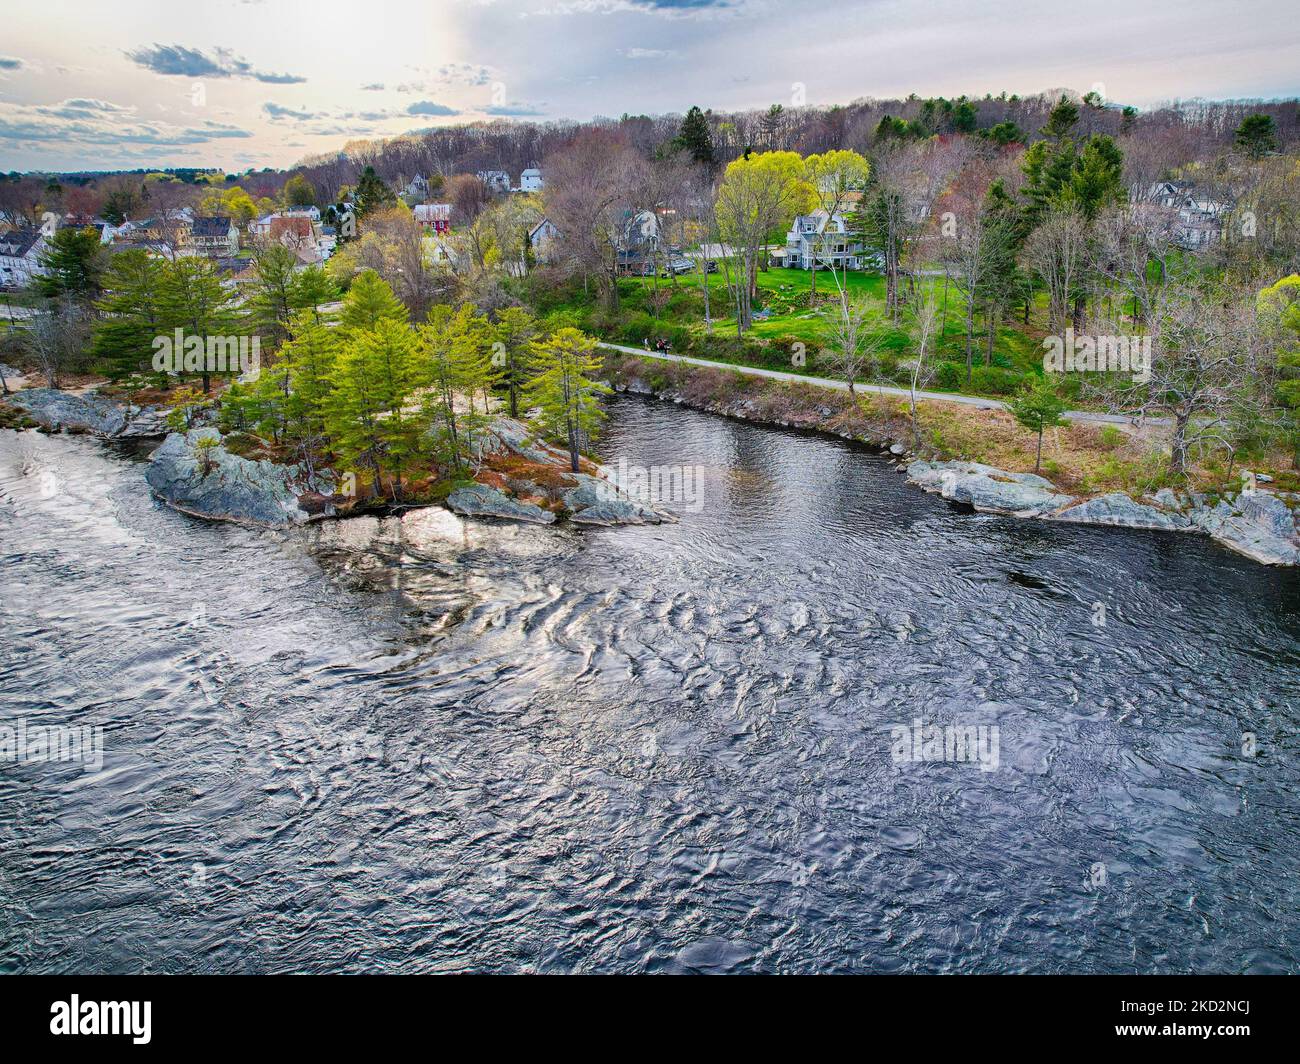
(423, 744)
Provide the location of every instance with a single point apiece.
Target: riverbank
(513, 473)
(1104, 475)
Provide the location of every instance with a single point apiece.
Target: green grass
(652, 309)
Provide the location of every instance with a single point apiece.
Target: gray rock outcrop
(55, 410)
(209, 481)
(989, 489)
(1119, 510)
(482, 500)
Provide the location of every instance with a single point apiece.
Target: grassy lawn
(652, 308)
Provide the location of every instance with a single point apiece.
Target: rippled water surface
(421, 744)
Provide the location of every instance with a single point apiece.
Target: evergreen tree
(372, 194)
(194, 300)
(516, 330)
(270, 296)
(131, 314)
(1037, 407)
(73, 263)
(695, 137)
(368, 302)
(1256, 136)
(367, 421)
(567, 390)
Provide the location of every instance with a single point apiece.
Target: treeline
(513, 145)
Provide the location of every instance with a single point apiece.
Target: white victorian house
(825, 237)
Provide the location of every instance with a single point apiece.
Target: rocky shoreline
(198, 472)
(1259, 524)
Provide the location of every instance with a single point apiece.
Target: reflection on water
(424, 744)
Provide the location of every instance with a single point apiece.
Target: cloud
(96, 124)
(374, 86)
(647, 53)
(472, 74)
(665, 8)
(10, 62)
(428, 107)
(175, 60)
(514, 110)
(276, 111)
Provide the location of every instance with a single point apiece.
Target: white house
(417, 189)
(825, 237)
(1195, 219)
(20, 253)
(439, 252)
(541, 238)
(530, 180)
(496, 180)
(310, 212)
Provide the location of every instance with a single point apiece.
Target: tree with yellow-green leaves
(233, 201)
(567, 390)
(760, 193)
(472, 337)
(833, 175)
(1279, 312)
(369, 301)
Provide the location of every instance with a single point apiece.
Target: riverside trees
(402, 406)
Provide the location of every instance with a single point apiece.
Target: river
(421, 744)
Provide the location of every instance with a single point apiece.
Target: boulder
(1119, 510)
(93, 413)
(988, 489)
(600, 502)
(223, 486)
(482, 500)
(1258, 524)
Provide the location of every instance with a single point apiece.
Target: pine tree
(1037, 407)
(194, 300)
(695, 137)
(516, 330)
(567, 390)
(368, 302)
(131, 314)
(1256, 135)
(73, 264)
(372, 194)
(374, 377)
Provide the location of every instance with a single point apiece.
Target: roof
(19, 242)
(296, 224)
(432, 212)
(216, 225)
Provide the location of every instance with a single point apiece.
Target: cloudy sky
(252, 83)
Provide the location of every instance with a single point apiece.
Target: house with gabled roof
(215, 236)
(20, 257)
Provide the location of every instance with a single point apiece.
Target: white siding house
(827, 238)
(20, 253)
